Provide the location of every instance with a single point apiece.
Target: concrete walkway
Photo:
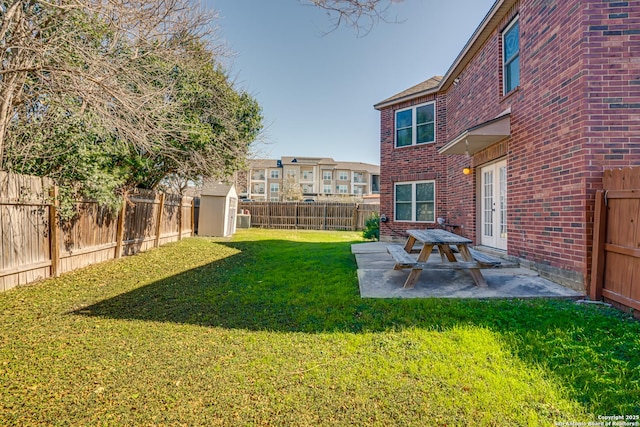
(378, 280)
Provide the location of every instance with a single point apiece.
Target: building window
(343, 176)
(291, 173)
(416, 125)
(258, 188)
(307, 189)
(326, 189)
(275, 174)
(275, 188)
(258, 175)
(511, 56)
(415, 201)
(274, 199)
(342, 189)
(307, 175)
(326, 175)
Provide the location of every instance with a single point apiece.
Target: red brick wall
(576, 113)
(414, 163)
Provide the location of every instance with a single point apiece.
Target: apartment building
(317, 178)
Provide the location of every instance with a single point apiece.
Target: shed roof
(216, 188)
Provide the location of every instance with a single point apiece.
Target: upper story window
(416, 125)
(343, 176)
(326, 175)
(275, 174)
(511, 56)
(307, 175)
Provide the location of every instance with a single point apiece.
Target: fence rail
(309, 216)
(34, 245)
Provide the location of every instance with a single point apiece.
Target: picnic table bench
(472, 260)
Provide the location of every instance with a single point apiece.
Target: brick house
(511, 143)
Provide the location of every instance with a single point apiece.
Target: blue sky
(317, 89)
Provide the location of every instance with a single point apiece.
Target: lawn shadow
(285, 286)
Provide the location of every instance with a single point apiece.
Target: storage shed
(218, 208)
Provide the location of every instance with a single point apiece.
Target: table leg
(446, 250)
(414, 275)
(475, 272)
(408, 246)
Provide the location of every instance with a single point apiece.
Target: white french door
(493, 201)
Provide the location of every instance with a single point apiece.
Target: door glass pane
(503, 202)
(488, 204)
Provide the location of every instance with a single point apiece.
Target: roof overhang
(479, 137)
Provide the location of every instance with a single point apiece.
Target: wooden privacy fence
(35, 245)
(615, 269)
(309, 216)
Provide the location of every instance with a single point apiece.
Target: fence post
(159, 222)
(120, 227)
(54, 233)
(325, 216)
(599, 235)
(355, 217)
(193, 216)
(180, 218)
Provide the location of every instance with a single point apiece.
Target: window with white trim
(326, 189)
(343, 176)
(307, 175)
(326, 175)
(511, 56)
(416, 125)
(275, 188)
(342, 189)
(415, 201)
(275, 174)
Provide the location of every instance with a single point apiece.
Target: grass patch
(269, 329)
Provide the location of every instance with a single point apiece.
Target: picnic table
(472, 261)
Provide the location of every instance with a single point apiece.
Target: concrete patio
(377, 279)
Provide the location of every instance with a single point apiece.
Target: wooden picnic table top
(438, 236)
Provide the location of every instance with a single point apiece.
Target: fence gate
(616, 239)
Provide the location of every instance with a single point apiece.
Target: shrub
(372, 227)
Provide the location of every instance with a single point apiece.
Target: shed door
(493, 197)
(231, 219)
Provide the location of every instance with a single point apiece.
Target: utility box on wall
(218, 210)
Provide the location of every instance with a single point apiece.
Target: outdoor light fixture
(467, 170)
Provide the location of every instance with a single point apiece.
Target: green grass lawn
(268, 329)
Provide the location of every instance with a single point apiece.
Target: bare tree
(362, 15)
(291, 190)
(92, 56)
